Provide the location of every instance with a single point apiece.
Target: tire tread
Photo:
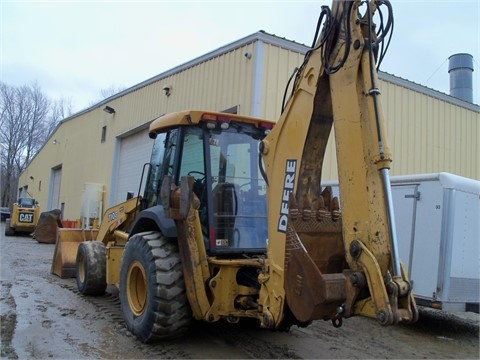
(170, 314)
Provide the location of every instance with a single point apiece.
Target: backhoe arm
(323, 264)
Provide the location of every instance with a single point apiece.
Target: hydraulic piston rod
(391, 222)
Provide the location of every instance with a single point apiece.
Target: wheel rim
(136, 288)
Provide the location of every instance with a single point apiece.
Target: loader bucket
(65, 253)
(46, 229)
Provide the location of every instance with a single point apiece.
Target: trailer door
(405, 206)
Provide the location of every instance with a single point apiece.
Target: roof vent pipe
(460, 68)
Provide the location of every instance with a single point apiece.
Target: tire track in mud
(257, 348)
(8, 320)
(109, 306)
(243, 339)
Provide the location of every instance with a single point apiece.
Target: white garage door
(134, 153)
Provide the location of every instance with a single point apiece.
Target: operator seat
(225, 208)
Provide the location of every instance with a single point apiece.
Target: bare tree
(27, 118)
(13, 111)
(106, 93)
(111, 90)
(59, 110)
(35, 118)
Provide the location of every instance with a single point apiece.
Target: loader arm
(323, 264)
(118, 218)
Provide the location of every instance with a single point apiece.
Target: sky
(75, 49)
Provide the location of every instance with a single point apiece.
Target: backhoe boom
(343, 264)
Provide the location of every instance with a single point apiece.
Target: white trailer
(437, 219)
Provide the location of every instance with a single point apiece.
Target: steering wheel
(243, 185)
(199, 185)
(190, 173)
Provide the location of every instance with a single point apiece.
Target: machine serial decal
(112, 216)
(288, 184)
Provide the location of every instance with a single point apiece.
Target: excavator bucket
(66, 246)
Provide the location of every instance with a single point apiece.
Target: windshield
(26, 202)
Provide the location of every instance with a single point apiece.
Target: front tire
(91, 268)
(152, 289)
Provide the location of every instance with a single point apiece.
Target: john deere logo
(288, 185)
(25, 218)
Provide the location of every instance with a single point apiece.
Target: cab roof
(194, 117)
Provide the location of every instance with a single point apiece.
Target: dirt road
(43, 316)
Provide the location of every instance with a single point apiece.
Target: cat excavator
(234, 223)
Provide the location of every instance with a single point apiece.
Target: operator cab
(221, 153)
(26, 202)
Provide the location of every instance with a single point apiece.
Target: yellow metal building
(101, 150)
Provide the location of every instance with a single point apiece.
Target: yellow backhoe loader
(234, 224)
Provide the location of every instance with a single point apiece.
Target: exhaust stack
(460, 68)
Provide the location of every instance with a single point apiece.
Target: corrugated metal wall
(428, 135)
(217, 84)
(278, 66)
(425, 135)
(76, 148)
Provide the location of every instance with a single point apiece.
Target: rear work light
(211, 125)
(212, 121)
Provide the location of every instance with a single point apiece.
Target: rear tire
(9, 231)
(91, 268)
(152, 289)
